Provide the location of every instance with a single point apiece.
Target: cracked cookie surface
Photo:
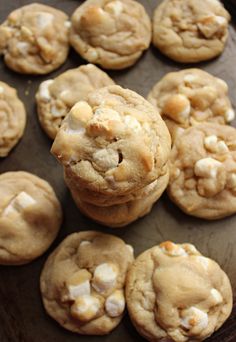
(12, 119)
(82, 283)
(203, 171)
(30, 217)
(188, 97)
(190, 31)
(34, 39)
(111, 33)
(175, 294)
(57, 96)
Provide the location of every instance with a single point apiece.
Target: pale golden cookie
(203, 171)
(55, 98)
(82, 283)
(30, 217)
(190, 31)
(120, 215)
(174, 294)
(115, 143)
(188, 97)
(12, 119)
(34, 39)
(111, 33)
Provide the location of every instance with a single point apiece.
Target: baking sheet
(22, 317)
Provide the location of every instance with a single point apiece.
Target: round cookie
(56, 97)
(34, 39)
(120, 215)
(12, 119)
(30, 217)
(203, 171)
(189, 97)
(115, 143)
(82, 283)
(111, 33)
(190, 31)
(175, 294)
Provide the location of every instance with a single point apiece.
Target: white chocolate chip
(44, 19)
(190, 78)
(104, 277)
(132, 123)
(115, 304)
(107, 114)
(172, 249)
(19, 203)
(114, 7)
(210, 143)
(67, 24)
(56, 112)
(220, 20)
(194, 318)
(44, 93)
(130, 248)
(92, 55)
(229, 115)
(177, 107)
(190, 249)
(216, 296)
(222, 147)
(106, 158)
(207, 167)
(85, 243)
(79, 115)
(85, 308)
(23, 48)
(1, 90)
(211, 24)
(79, 284)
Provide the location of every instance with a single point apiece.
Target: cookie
(56, 97)
(203, 171)
(34, 39)
(82, 283)
(175, 294)
(121, 215)
(12, 119)
(115, 143)
(190, 31)
(189, 97)
(106, 200)
(111, 33)
(30, 217)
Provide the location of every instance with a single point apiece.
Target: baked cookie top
(56, 97)
(189, 97)
(174, 293)
(203, 171)
(189, 30)
(30, 217)
(83, 281)
(114, 143)
(12, 118)
(34, 39)
(111, 33)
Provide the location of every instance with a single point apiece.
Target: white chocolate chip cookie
(115, 143)
(82, 283)
(175, 294)
(190, 31)
(111, 33)
(30, 217)
(34, 39)
(12, 119)
(55, 98)
(203, 171)
(189, 97)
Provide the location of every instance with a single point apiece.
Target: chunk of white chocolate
(222, 147)
(44, 19)
(132, 123)
(207, 167)
(44, 92)
(177, 107)
(194, 318)
(1, 90)
(106, 158)
(19, 203)
(190, 78)
(85, 243)
(79, 115)
(229, 115)
(216, 296)
(172, 249)
(114, 7)
(85, 308)
(210, 143)
(104, 278)
(79, 284)
(56, 112)
(211, 24)
(115, 304)
(23, 48)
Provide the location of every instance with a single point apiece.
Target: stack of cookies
(114, 148)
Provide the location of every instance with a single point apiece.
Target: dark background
(22, 317)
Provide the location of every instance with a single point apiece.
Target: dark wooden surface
(22, 317)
